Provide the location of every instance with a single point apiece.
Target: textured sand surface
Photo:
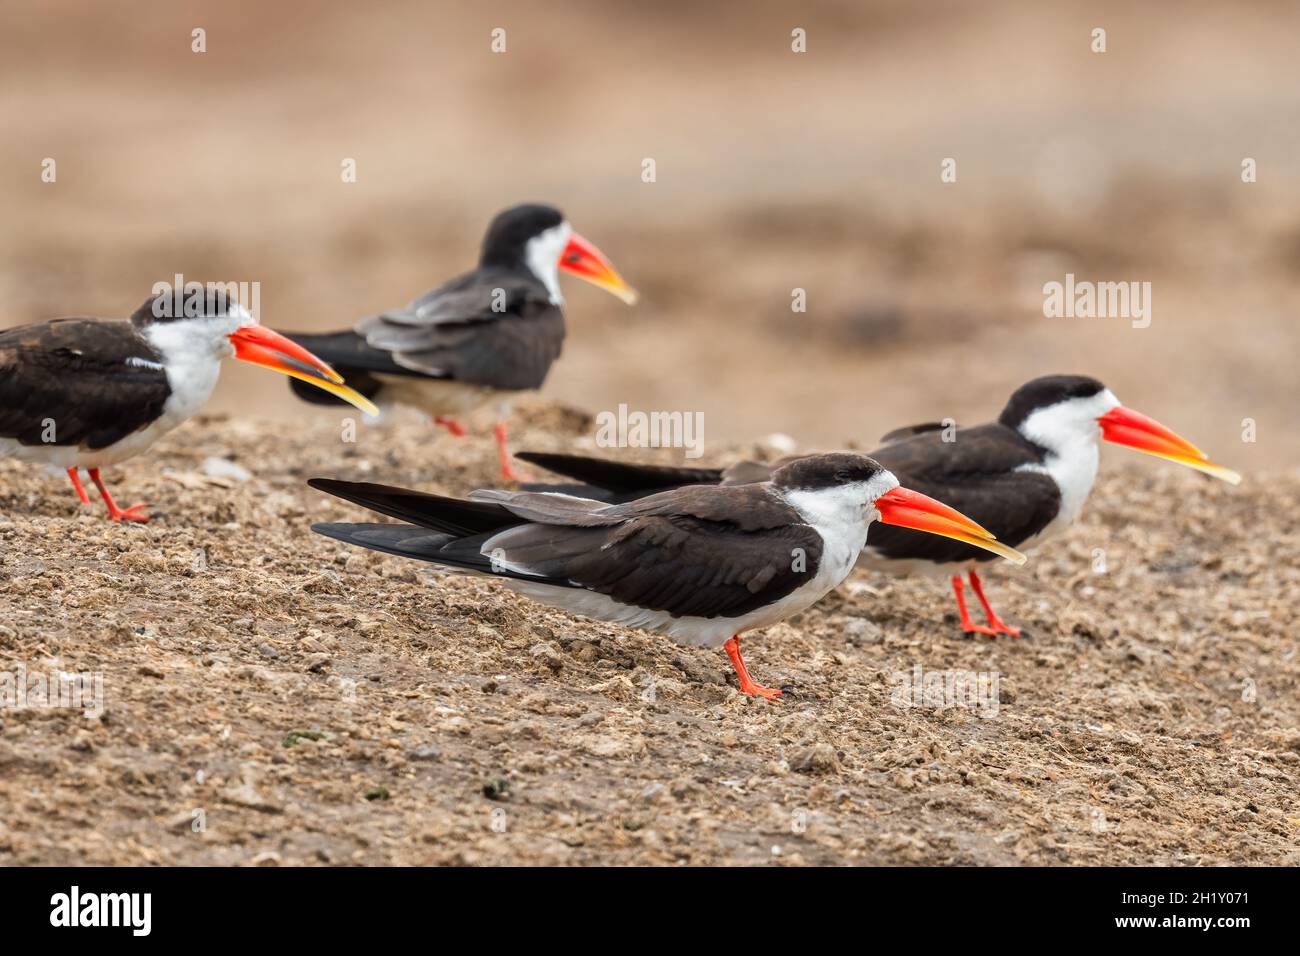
(320, 704)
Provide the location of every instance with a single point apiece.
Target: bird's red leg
(747, 685)
(967, 625)
(114, 512)
(76, 483)
(452, 426)
(507, 470)
(995, 622)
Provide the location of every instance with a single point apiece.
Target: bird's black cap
(1045, 392)
(193, 301)
(508, 234)
(826, 471)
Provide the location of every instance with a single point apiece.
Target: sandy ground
(272, 697)
(320, 704)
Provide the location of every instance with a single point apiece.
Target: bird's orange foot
(133, 513)
(747, 685)
(114, 512)
(970, 627)
(996, 624)
(758, 690)
(454, 427)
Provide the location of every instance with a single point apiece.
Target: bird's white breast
(191, 377)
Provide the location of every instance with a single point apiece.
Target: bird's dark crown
(826, 471)
(1045, 392)
(507, 236)
(194, 301)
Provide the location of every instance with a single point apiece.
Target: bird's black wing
(79, 382)
(349, 355)
(910, 431)
(980, 474)
(698, 551)
(489, 327)
(348, 349)
(621, 477)
(625, 481)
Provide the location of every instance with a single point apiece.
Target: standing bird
(482, 336)
(699, 564)
(85, 393)
(1025, 477)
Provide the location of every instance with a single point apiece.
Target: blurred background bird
(483, 336)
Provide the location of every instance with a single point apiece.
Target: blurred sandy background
(775, 171)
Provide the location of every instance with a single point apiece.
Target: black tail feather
(447, 515)
(349, 355)
(403, 540)
(449, 550)
(630, 479)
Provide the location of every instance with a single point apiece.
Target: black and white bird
(1025, 477)
(700, 564)
(86, 393)
(481, 337)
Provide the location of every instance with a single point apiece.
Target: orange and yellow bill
(258, 345)
(1123, 426)
(587, 262)
(911, 509)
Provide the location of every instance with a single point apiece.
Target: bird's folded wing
(989, 473)
(499, 331)
(551, 508)
(910, 431)
(480, 297)
(745, 509)
(621, 476)
(700, 551)
(78, 382)
(682, 565)
(937, 457)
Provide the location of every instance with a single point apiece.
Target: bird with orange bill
(699, 564)
(84, 393)
(485, 336)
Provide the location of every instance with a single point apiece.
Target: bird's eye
(573, 258)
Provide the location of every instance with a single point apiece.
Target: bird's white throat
(852, 503)
(542, 256)
(192, 350)
(1071, 436)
